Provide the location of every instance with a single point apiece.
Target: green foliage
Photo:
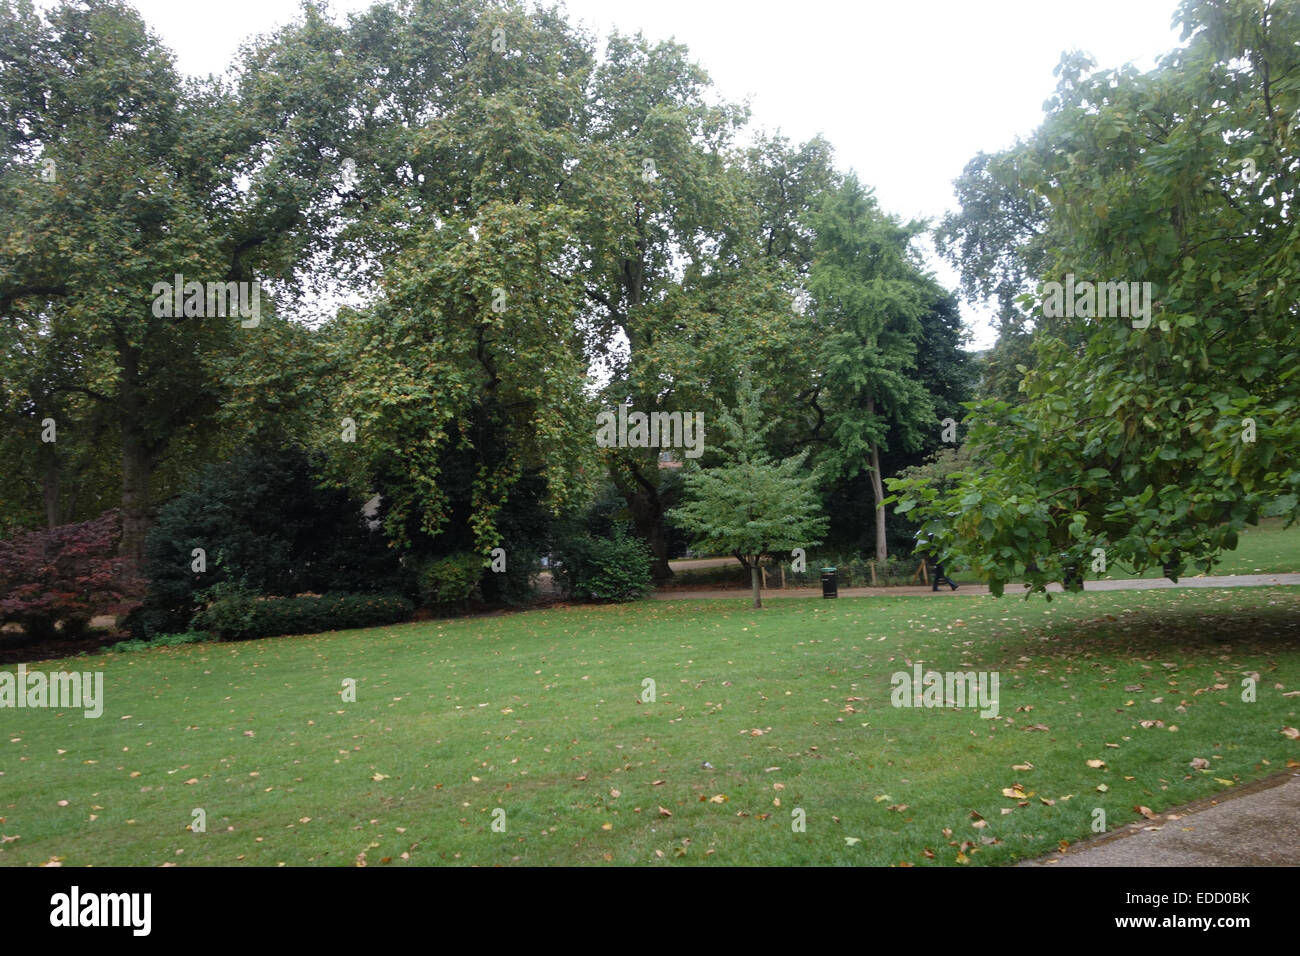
(614, 568)
(239, 617)
(153, 177)
(162, 640)
(1158, 442)
(452, 580)
(265, 524)
(751, 506)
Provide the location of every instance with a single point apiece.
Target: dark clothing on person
(939, 577)
(936, 567)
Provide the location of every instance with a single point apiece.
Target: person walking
(936, 564)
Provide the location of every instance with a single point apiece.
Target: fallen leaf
(1199, 763)
(718, 798)
(1015, 792)
(1102, 787)
(1146, 812)
(1022, 766)
(1291, 732)
(1096, 764)
(664, 812)
(852, 841)
(615, 793)
(607, 826)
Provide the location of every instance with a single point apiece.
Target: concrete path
(1128, 584)
(1259, 826)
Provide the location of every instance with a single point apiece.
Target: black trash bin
(1072, 577)
(829, 588)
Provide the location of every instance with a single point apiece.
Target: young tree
(751, 506)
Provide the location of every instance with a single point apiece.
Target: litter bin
(829, 589)
(1072, 577)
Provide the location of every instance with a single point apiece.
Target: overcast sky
(906, 91)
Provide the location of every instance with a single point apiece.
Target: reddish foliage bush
(68, 574)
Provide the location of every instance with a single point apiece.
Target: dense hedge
(266, 525)
(616, 568)
(242, 616)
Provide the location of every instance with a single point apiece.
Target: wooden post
(874, 584)
(783, 576)
(763, 568)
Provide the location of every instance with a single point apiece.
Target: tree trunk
(50, 490)
(754, 580)
(878, 487)
(648, 518)
(137, 471)
(138, 458)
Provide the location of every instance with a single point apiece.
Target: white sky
(907, 91)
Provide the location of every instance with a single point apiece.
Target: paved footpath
(1258, 827)
(1128, 584)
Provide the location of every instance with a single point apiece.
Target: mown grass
(1268, 548)
(540, 714)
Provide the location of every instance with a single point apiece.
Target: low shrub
(65, 575)
(616, 568)
(243, 616)
(450, 581)
(163, 640)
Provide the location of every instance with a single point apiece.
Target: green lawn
(539, 714)
(1265, 549)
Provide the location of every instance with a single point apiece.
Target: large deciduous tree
(118, 176)
(1153, 432)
